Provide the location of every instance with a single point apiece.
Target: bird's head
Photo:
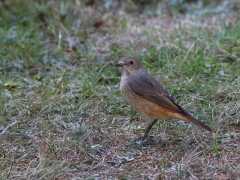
(129, 66)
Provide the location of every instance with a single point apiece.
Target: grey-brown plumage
(147, 96)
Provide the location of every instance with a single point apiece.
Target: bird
(148, 97)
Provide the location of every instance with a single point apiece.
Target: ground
(62, 115)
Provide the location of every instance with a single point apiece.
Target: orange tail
(199, 123)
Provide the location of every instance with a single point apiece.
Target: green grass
(61, 111)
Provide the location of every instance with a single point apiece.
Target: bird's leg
(148, 129)
(146, 132)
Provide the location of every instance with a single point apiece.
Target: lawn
(62, 115)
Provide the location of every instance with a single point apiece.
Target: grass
(62, 115)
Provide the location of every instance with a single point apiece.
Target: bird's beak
(119, 64)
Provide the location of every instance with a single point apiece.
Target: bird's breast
(123, 83)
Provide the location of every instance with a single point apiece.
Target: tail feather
(199, 123)
(190, 118)
(185, 116)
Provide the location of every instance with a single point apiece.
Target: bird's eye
(131, 62)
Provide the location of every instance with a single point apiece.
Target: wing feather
(150, 89)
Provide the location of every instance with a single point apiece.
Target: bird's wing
(150, 89)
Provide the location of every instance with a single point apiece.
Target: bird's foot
(147, 141)
(138, 141)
